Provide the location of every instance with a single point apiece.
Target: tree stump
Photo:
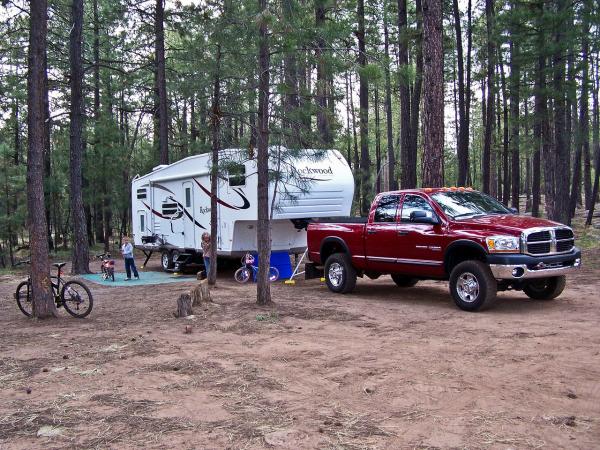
(184, 306)
(201, 294)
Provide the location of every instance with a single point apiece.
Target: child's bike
(73, 295)
(249, 270)
(107, 266)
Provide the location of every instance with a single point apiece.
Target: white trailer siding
(173, 203)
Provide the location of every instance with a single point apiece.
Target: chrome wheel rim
(165, 261)
(467, 287)
(336, 274)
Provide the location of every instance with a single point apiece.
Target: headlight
(503, 244)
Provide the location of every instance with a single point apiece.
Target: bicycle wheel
(23, 297)
(242, 275)
(77, 299)
(273, 274)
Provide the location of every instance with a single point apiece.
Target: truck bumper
(520, 267)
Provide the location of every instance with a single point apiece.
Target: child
(205, 245)
(127, 251)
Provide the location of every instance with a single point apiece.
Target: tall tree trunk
(81, 255)
(323, 125)
(391, 157)
(214, 168)
(462, 150)
(365, 160)
(348, 130)
(356, 165)
(161, 81)
(468, 82)
(596, 143)
(377, 141)
(291, 99)
(43, 300)
(584, 119)
(263, 288)
(561, 148)
(505, 139)
(408, 172)
(415, 101)
(184, 131)
(489, 124)
(515, 74)
(433, 95)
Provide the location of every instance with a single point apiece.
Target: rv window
(142, 224)
(169, 209)
(237, 175)
(188, 197)
(141, 193)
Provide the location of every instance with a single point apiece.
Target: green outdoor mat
(146, 278)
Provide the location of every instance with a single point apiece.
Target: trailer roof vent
(160, 166)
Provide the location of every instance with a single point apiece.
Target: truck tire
(166, 260)
(340, 275)
(404, 281)
(545, 288)
(472, 285)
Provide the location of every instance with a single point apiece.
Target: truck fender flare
(333, 240)
(462, 243)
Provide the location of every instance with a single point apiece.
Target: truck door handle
(371, 231)
(402, 233)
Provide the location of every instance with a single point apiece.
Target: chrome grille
(548, 241)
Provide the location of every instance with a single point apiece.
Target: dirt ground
(382, 368)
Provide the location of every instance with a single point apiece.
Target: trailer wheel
(545, 288)
(340, 275)
(166, 260)
(472, 285)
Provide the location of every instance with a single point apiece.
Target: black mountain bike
(73, 295)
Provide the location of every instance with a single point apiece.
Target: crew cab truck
(455, 234)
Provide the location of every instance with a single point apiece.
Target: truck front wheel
(545, 288)
(472, 285)
(340, 275)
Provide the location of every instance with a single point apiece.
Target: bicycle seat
(59, 265)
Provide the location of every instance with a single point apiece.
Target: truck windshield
(458, 204)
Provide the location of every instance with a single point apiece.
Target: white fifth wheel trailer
(171, 205)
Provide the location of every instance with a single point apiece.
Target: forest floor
(381, 368)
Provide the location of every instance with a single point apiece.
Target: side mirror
(513, 210)
(424, 217)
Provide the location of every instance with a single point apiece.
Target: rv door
(189, 228)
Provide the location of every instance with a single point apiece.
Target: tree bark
(415, 101)
(515, 74)
(433, 95)
(391, 157)
(409, 172)
(161, 81)
(43, 299)
(489, 123)
(462, 150)
(214, 168)
(291, 123)
(365, 160)
(263, 288)
(561, 149)
(505, 139)
(377, 142)
(323, 119)
(80, 256)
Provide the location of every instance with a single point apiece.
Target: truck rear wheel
(404, 281)
(545, 288)
(472, 285)
(340, 275)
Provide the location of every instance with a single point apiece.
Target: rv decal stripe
(154, 211)
(185, 211)
(246, 204)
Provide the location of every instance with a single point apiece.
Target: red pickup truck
(454, 234)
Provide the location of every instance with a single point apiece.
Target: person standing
(127, 251)
(206, 248)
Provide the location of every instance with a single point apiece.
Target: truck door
(189, 228)
(421, 243)
(381, 235)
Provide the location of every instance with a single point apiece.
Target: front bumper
(520, 267)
